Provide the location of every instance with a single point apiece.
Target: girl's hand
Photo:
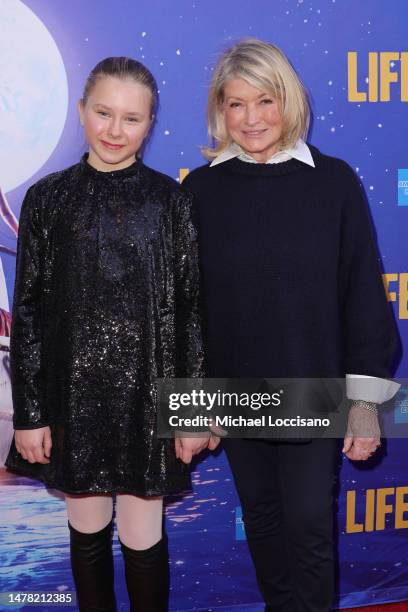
(34, 445)
(214, 442)
(186, 448)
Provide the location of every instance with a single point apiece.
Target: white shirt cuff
(370, 388)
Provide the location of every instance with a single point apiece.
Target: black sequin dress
(106, 299)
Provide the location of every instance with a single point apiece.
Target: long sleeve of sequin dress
(189, 354)
(26, 353)
(119, 296)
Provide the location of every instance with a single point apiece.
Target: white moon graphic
(33, 94)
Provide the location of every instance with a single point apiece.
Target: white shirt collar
(300, 151)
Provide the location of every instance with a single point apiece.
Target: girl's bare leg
(139, 520)
(89, 513)
(144, 548)
(90, 525)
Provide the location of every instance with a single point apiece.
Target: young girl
(106, 300)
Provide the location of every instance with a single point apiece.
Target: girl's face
(116, 118)
(253, 119)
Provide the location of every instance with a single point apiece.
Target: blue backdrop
(353, 58)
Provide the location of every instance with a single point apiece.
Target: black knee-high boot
(147, 577)
(92, 568)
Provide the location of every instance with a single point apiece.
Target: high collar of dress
(129, 171)
(300, 151)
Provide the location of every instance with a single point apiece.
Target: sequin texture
(106, 299)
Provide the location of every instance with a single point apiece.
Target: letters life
(380, 504)
(384, 69)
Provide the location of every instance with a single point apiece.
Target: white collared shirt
(358, 387)
(300, 151)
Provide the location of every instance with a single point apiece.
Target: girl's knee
(89, 513)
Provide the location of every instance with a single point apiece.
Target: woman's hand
(186, 448)
(34, 445)
(363, 435)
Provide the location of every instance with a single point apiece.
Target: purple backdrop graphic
(354, 60)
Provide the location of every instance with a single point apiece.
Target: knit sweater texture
(291, 273)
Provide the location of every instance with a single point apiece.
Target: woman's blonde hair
(265, 67)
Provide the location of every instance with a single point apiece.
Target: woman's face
(116, 118)
(252, 118)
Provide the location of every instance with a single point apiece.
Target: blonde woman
(292, 289)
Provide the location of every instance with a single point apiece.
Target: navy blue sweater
(291, 277)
